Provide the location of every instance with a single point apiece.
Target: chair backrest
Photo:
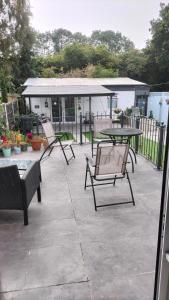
(100, 124)
(49, 132)
(111, 158)
(10, 188)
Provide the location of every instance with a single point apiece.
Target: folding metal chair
(109, 166)
(98, 125)
(56, 141)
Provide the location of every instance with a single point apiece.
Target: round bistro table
(123, 133)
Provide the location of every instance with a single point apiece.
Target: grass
(65, 135)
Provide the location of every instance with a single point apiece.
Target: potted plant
(36, 142)
(17, 149)
(29, 147)
(23, 146)
(6, 149)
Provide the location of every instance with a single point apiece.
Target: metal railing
(151, 144)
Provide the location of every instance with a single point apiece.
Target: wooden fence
(8, 113)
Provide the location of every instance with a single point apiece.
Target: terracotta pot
(36, 144)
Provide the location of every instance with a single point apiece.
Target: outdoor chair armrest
(47, 137)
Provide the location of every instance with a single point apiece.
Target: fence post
(81, 134)
(37, 125)
(122, 119)
(160, 146)
(137, 137)
(6, 116)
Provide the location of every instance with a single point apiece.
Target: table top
(21, 164)
(127, 132)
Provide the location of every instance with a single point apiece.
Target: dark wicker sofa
(16, 192)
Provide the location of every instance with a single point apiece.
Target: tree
(43, 44)
(75, 57)
(24, 40)
(16, 40)
(157, 51)
(6, 46)
(114, 41)
(101, 56)
(132, 64)
(80, 38)
(61, 38)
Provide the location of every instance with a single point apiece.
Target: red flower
(29, 135)
(4, 138)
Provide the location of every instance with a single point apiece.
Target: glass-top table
(121, 132)
(21, 164)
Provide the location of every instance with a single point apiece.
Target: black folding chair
(56, 141)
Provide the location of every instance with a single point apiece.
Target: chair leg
(39, 193)
(25, 215)
(86, 177)
(44, 153)
(94, 196)
(92, 143)
(132, 162)
(50, 151)
(134, 153)
(72, 151)
(128, 178)
(64, 152)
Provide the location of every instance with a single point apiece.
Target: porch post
(30, 105)
(111, 107)
(90, 112)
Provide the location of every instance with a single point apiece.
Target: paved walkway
(70, 252)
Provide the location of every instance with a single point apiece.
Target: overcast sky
(130, 17)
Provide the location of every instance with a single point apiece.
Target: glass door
(161, 284)
(56, 109)
(141, 102)
(69, 109)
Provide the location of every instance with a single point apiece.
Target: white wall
(125, 99)
(41, 103)
(99, 105)
(160, 111)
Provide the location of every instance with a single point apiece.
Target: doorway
(69, 109)
(56, 109)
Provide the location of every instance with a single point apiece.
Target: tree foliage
(16, 40)
(114, 41)
(60, 53)
(157, 51)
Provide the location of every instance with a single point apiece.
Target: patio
(69, 251)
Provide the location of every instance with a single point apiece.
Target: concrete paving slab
(69, 251)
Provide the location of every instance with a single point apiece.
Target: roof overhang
(76, 90)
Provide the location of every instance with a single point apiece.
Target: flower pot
(6, 152)
(24, 147)
(36, 144)
(29, 148)
(17, 150)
